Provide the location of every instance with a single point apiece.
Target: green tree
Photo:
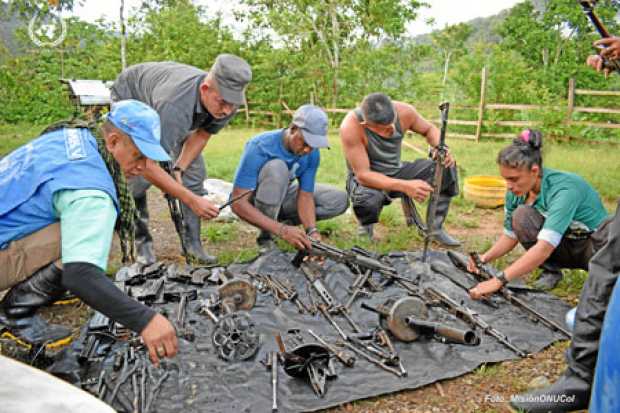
(554, 40)
(326, 29)
(451, 42)
(28, 7)
(179, 31)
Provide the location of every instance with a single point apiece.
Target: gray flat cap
(232, 75)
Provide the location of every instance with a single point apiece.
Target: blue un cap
(141, 123)
(312, 121)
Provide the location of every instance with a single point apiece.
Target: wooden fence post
(571, 99)
(483, 93)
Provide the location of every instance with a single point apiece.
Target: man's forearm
(250, 214)
(306, 209)
(91, 285)
(532, 259)
(432, 136)
(192, 148)
(379, 181)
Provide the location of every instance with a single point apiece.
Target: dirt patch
(477, 223)
(488, 389)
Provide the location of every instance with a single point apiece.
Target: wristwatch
(311, 230)
(178, 169)
(501, 276)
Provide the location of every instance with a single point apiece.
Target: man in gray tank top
(371, 139)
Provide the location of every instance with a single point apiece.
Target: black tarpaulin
(201, 382)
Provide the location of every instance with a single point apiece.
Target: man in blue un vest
(61, 196)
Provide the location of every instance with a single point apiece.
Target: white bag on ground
(218, 192)
(26, 389)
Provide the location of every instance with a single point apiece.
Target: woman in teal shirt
(556, 216)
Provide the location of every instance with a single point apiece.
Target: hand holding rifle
(607, 59)
(448, 161)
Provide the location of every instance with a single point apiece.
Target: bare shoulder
(405, 110)
(350, 128)
(407, 114)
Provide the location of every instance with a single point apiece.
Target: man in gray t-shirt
(193, 105)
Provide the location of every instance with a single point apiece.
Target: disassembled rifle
(486, 273)
(441, 152)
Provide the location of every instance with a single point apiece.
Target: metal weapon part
(441, 151)
(346, 358)
(588, 10)
(406, 319)
(234, 336)
(176, 213)
(307, 361)
(235, 199)
(469, 316)
(486, 274)
(445, 270)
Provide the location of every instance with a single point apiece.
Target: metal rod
(340, 331)
(154, 391)
(345, 358)
(274, 381)
(373, 360)
(235, 199)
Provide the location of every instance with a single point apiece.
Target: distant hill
(483, 30)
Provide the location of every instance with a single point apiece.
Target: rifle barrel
(509, 296)
(440, 157)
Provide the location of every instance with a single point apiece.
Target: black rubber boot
(568, 394)
(144, 240)
(265, 244)
(548, 279)
(192, 241)
(367, 231)
(34, 329)
(42, 288)
(441, 236)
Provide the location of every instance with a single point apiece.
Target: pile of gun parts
(302, 354)
(234, 336)
(406, 318)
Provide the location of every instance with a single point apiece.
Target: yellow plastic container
(485, 191)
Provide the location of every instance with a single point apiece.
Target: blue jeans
(606, 391)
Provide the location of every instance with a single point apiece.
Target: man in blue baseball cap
(270, 163)
(61, 196)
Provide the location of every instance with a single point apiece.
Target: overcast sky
(443, 11)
